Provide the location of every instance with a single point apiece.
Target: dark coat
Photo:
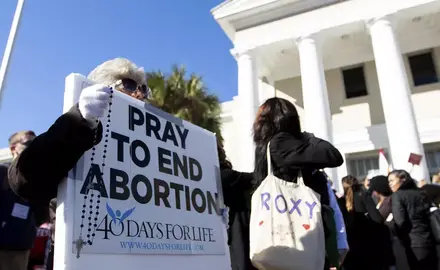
(433, 192)
(381, 232)
(411, 211)
(15, 233)
(289, 155)
(410, 206)
(61, 146)
(358, 226)
(237, 188)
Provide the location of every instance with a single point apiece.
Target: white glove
(93, 102)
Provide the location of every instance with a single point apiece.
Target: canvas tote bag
(286, 228)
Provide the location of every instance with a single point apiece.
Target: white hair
(116, 69)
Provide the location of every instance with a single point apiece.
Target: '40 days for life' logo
(116, 215)
(113, 222)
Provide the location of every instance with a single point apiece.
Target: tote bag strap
(269, 161)
(299, 178)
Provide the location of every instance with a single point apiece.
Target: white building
(5, 155)
(364, 74)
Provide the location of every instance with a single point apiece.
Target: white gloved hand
(93, 102)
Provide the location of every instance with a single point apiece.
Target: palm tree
(186, 98)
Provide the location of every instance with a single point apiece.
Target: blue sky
(59, 37)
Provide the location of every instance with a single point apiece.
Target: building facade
(5, 155)
(364, 75)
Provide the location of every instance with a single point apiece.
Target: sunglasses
(131, 86)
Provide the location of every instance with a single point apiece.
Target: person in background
(433, 192)
(341, 235)
(421, 183)
(237, 188)
(18, 218)
(436, 179)
(366, 183)
(50, 248)
(330, 183)
(293, 151)
(411, 211)
(358, 227)
(36, 173)
(387, 251)
(38, 253)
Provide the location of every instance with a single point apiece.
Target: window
(354, 82)
(423, 69)
(433, 160)
(360, 167)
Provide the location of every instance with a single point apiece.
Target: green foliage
(186, 98)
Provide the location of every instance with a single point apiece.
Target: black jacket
(290, 154)
(381, 233)
(61, 146)
(433, 192)
(410, 206)
(237, 188)
(359, 231)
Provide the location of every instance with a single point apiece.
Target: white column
(315, 97)
(248, 102)
(395, 92)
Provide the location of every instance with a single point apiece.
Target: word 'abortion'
(170, 163)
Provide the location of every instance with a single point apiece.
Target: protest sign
(145, 196)
(415, 159)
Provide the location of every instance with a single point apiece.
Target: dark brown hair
(223, 161)
(350, 185)
(274, 116)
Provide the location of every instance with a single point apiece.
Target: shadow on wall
(378, 136)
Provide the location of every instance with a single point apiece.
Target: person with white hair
(122, 75)
(35, 174)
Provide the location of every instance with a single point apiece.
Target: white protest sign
(153, 183)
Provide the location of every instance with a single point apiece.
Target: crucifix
(79, 244)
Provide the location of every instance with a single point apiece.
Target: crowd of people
(382, 223)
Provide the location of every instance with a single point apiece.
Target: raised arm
(372, 211)
(35, 174)
(308, 152)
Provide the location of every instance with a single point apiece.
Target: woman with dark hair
(411, 210)
(357, 225)
(237, 187)
(292, 151)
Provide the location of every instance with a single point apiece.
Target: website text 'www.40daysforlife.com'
(153, 246)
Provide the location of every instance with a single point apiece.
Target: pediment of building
(232, 7)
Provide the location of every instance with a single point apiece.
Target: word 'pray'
(153, 126)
